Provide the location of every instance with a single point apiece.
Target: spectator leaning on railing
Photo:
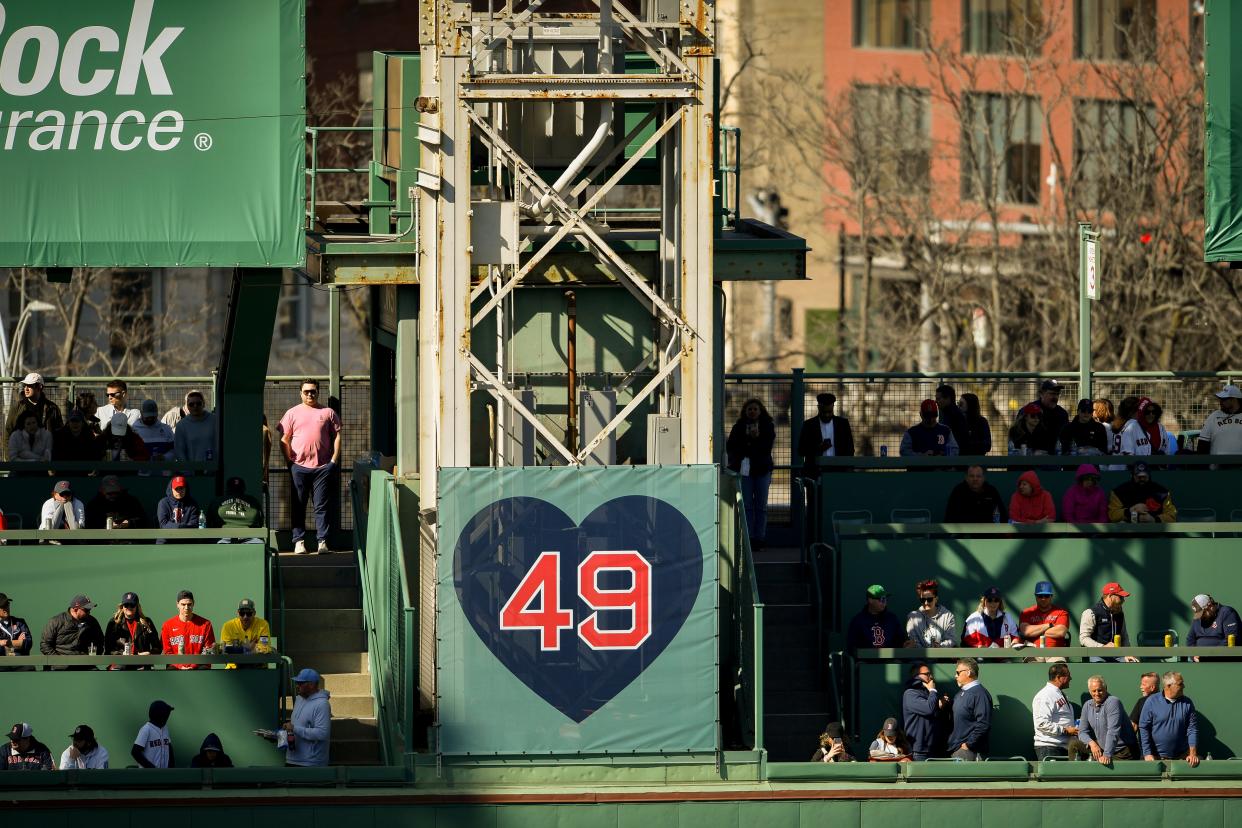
(178, 510)
(1105, 729)
(1104, 623)
(1029, 434)
(130, 631)
(1031, 503)
(1044, 624)
(1083, 434)
(187, 633)
(15, 635)
(1222, 430)
(73, 632)
(156, 436)
(1214, 623)
(62, 510)
(974, 500)
(29, 441)
(76, 441)
(1141, 500)
(25, 752)
(84, 753)
(121, 442)
(33, 399)
(990, 625)
(1169, 725)
(114, 504)
(928, 437)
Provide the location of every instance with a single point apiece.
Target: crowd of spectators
(1138, 500)
(1162, 725)
(1044, 624)
(130, 631)
(113, 507)
(950, 425)
(36, 431)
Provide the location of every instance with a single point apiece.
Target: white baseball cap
(33, 379)
(1226, 393)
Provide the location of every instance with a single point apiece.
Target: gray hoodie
(940, 630)
(312, 728)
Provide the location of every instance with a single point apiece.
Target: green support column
(334, 341)
(243, 372)
(407, 380)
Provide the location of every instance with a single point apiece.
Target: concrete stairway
(324, 630)
(795, 699)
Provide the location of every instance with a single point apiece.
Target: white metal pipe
(603, 66)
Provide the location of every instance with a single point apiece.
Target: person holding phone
(832, 745)
(921, 704)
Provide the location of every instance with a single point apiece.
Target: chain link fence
(279, 395)
(880, 407)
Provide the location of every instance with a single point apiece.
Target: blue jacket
(312, 728)
(919, 440)
(1217, 633)
(1108, 725)
(972, 719)
(1168, 728)
(871, 632)
(918, 717)
(165, 513)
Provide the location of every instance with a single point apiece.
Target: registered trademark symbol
(202, 142)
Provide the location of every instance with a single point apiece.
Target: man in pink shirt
(310, 437)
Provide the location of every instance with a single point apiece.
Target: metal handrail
(731, 198)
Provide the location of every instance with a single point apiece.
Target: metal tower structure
(499, 81)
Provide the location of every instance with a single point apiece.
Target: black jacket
(125, 507)
(1084, 435)
(757, 447)
(65, 636)
(965, 506)
(46, 412)
(147, 639)
(12, 627)
(86, 447)
(810, 439)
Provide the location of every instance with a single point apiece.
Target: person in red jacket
(1031, 503)
(187, 633)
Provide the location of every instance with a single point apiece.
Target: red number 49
(542, 586)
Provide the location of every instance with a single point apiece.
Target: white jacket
(1052, 713)
(51, 507)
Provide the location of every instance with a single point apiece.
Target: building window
(1003, 26)
(366, 88)
(1115, 29)
(1114, 151)
(890, 24)
(293, 312)
(894, 124)
(133, 319)
(1001, 137)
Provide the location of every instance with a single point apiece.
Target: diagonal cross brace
(596, 170)
(647, 39)
(577, 221)
(606, 255)
(631, 405)
(498, 390)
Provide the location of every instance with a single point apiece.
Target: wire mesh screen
(881, 408)
(355, 412)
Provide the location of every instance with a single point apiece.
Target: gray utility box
(596, 410)
(663, 440)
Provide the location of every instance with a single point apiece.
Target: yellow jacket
(233, 631)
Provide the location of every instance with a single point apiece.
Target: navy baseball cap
(991, 592)
(1044, 588)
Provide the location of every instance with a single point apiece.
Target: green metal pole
(1084, 313)
(334, 341)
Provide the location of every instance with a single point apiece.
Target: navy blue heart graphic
(500, 545)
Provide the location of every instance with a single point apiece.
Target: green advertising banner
(1222, 55)
(152, 133)
(577, 610)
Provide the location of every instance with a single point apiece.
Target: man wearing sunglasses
(310, 437)
(118, 396)
(247, 633)
(194, 437)
(874, 626)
